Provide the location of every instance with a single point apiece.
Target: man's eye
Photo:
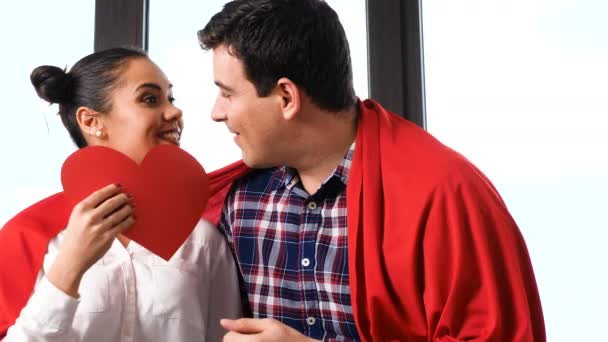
(171, 99)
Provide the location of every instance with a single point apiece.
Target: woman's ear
(290, 98)
(90, 122)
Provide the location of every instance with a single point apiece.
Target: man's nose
(218, 113)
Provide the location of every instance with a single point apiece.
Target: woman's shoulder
(205, 233)
(205, 243)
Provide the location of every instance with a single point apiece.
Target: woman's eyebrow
(152, 85)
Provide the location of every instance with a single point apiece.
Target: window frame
(395, 52)
(121, 23)
(395, 48)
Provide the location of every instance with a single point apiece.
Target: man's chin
(256, 163)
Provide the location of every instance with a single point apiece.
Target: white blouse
(130, 294)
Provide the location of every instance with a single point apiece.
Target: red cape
(433, 253)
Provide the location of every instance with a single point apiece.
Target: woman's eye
(150, 99)
(171, 99)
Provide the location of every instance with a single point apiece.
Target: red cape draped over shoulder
(433, 253)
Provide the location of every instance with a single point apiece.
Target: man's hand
(268, 329)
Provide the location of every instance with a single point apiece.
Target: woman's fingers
(118, 216)
(111, 205)
(123, 225)
(100, 196)
(106, 208)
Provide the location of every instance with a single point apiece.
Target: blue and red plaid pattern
(292, 250)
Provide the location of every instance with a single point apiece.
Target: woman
(95, 284)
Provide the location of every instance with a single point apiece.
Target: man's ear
(291, 98)
(90, 122)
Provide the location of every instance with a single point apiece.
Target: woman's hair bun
(52, 84)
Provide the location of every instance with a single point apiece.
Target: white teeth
(171, 136)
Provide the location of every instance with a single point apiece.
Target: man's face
(256, 122)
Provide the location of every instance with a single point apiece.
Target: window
(34, 141)
(519, 88)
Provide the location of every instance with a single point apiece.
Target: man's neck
(331, 142)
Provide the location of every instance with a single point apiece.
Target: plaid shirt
(292, 250)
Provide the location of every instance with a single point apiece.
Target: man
(354, 224)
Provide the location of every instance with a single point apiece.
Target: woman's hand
(93, 225)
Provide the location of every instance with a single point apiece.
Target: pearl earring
(98, 133)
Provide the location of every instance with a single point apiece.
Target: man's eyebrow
(223, 86)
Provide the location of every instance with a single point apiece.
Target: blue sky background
(518, 87)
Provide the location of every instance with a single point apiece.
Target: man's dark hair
(302, 40)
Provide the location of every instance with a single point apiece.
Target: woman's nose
(173, 113)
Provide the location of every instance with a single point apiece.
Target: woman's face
(142, 115)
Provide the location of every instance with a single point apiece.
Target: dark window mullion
(396, 75)
(121, 23)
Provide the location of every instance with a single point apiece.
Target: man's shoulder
(252, 189)
(259, 181)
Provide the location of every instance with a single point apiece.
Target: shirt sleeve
(47, 316)
(225, 218)
(224, 296)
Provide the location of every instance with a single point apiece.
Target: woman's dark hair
(88, 83)
(302, 40)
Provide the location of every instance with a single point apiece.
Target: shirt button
(311, 320)
(305, 262)
(312, 205)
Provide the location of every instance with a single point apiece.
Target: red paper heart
(169, 189)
